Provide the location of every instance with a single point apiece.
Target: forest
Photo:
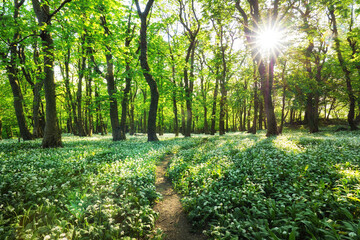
(254, 106)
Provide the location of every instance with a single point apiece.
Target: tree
(52, 134)
(185, 17)
(12, 69)
(345, 69)
(151, 131)
(265, 65)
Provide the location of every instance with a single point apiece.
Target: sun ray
(269, 40)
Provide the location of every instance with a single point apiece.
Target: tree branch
(58, 9)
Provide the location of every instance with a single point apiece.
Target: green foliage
(291, 187)
(90, 189)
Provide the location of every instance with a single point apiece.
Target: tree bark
(13, 76)
(111, 87)
(213, 113)
(82, 67)
(146, 71)
(265, 66)
(36, 86)
(352, 99)
(256, 103)
(52, 133)
(125, 100)
(174, 95)
(189, 60)
(18, 101)
(68, 90)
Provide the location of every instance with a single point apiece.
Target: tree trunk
(125, 100)
(13, 75)
(18, 102)
(111, 88)
(256, 103)
(146, 71)
(144, 126)
(266, 67)
(261, 113)
(82, 67)
(283, 100)
(223, 89)
(132, 119)
(68, 90)
(244, 121)
(213, 114)
(283, 107)
(36, 86)
(266, 85)
(89, 117)
(183, 122)
(188, 82)
(222, 107)
(344, 68)
(52, 134)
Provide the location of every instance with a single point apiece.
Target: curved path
(172, 219)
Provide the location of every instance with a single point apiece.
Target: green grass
(295, 186)
(92, 188)
(238, 186)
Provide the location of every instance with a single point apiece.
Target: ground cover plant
(93, 188)
(294, 186)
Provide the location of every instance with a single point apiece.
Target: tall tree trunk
(146, 71)
(248, 117)
(68, 90)
(111, 87)
(38, 131)
(351, 114)
(132, 118)
(13, 76)
(18, 102)
(52, 133)
(283, 99)
(125, 100)
(265, 66)
(183, 122)
(213, 113)
(144, 112)
(82, 68)
(261, 113)
(89, 118)
(204, 96)
(256, 103)
(223, 86)
(267, 76)
(188, 83)
(36, 86)
(174, 96)
(283, 108)
(245, 114)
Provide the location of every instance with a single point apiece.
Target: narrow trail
(172, 219)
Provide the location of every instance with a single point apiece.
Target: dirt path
(172, 219)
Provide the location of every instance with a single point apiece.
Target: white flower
(352, 234)
(47, 237)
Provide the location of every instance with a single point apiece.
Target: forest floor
(172, 218)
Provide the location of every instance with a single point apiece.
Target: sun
(269, 40)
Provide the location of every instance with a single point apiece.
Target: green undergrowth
(294, 186)
(93, 188)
